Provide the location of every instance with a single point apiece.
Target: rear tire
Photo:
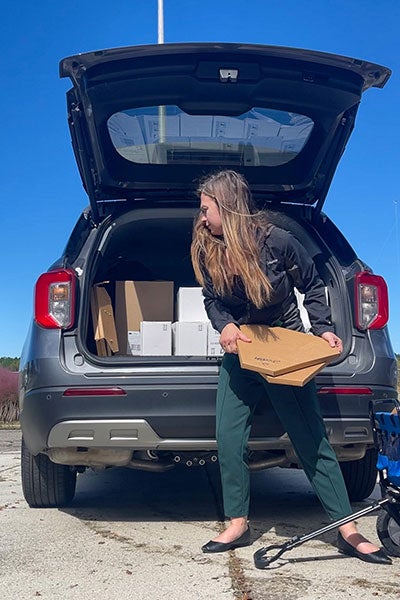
(388, 532)
(360, 476)
(44, 483)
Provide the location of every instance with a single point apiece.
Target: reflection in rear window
(166, 134)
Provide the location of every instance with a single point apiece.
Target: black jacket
(287, 265)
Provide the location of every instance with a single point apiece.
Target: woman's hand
(229, 336)
(333, 340)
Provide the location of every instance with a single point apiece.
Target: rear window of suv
(166, 134)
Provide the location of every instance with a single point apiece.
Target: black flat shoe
(378, 557)
(243, 540)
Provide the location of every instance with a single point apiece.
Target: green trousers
(239, 391)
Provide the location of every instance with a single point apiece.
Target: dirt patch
(279, 586)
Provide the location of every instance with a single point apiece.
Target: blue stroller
(386, 431)
(386, 428)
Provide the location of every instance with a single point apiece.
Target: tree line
(12, 364)
(9, 409)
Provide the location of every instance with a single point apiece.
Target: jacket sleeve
(301, 270)
(217, 312)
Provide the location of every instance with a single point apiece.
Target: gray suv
(146, 123)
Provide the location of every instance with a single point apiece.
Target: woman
(248, 269)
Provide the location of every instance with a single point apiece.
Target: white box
(189, 338)
(156, 338)
(190, 305)
(135, 343)
(214, 348)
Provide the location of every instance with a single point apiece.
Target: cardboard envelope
(103, 321)
(276, 351)
(297, 378)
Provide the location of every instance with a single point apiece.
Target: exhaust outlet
(147, 465)
(268, 463)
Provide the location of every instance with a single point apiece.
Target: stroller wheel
(389, 532)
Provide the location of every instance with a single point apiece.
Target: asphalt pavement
(137, 535)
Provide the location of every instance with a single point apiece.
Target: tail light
(371, 301)
(55, 299)
(112, 391)
(351, 390)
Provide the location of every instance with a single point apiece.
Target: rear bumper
(138, 434)
(174, 420)
(113, 443)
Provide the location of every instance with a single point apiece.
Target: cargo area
(147, 318)
(144, 299)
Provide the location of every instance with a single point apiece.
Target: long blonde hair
(237, 252)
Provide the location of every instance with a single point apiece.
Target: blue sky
(42, 195)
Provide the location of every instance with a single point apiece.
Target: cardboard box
(137, 301)
(156, 338)
(135, 343)
(214, 348)
(189, 338)
(103, 321)
(275, 350)
(190, 305)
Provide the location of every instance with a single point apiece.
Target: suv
(146, 123)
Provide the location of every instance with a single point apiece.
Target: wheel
(44, 483)
(389, 532)
(360, 476)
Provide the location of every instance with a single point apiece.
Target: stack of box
(193, 334)
(144, 311)
(189, 332)
(144, 321)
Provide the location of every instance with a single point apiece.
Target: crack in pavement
(4, 469)
(107, 533)
(240, 585)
